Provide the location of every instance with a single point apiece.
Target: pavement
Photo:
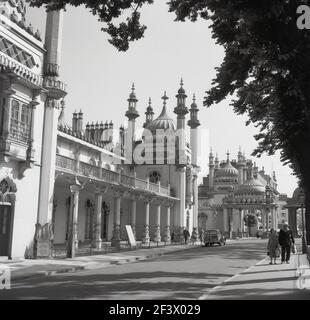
(264, 281)
(22, 269)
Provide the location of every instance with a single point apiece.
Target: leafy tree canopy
(266, 65)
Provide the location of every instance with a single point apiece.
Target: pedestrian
(186, 235)
(273, 246)
(286, 240)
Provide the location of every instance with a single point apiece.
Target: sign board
(131, 237)
(43, 249)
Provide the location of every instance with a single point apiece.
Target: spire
(194, 122)
(211, 158)
(228, 154)
(132, 112)
(181, 110)
(149, 114)
(61, 118)
(165, 98)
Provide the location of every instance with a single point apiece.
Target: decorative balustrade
(65, 163)
(56, 84)
(88, 170)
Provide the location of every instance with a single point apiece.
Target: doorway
(5, 229)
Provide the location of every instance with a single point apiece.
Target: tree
(266, 65)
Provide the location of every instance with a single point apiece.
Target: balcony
(71, 166)
(19, 69)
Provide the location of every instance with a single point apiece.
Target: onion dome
(62, 124)
(227, 172)
(30, 29)
(163, 121)
(251, 186)
(298, 193)
(37, 35)
(181, 90)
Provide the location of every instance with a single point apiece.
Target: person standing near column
(286, 240)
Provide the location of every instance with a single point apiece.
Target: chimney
(74, 122)
(80, 121)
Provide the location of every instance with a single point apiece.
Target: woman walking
(273, 246)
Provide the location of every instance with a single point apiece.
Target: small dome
(162, 122)
(251, 186)
(228, 170)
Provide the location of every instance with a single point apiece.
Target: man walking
(286, 240)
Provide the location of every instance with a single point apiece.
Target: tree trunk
(307, 214)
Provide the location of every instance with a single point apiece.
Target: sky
(99, 78)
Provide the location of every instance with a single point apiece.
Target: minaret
(211, 169)
(180, 110)
(217, 162)
(194, 123)
(241, 166)
(132, 114)
(148, 114)
(55, 90)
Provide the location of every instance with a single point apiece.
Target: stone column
(48, 162)
(225, 220)
(32, 108)
(97, 241)
(263, 220)
(116, 239)
(146, 236)
(6, 99)
(167, 231)
(157, 237)
(267, 219)
(133, 215)
(272, 212)
(73, 242)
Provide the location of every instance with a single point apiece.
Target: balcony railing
(88, 170)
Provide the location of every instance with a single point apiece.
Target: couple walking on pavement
(285, 240)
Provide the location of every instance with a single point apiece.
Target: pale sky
(99, 77)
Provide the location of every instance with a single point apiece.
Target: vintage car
(214, 236)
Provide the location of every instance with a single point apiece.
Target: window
(20, 121)
(154, 177)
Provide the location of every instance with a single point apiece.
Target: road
(182, 275)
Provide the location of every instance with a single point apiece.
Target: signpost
(131, 237)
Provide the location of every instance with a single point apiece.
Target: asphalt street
(182, 275)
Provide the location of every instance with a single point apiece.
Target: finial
(194, 97)
(181, 83)
(150, 102)
(165, 98)
(133, 87)
(227, 155)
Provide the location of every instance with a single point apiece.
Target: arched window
(154, 177)
(20, 121)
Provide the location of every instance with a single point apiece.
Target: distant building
(238, 198)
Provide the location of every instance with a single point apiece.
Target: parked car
(214, 236)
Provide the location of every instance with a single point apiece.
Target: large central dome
(162, 122)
